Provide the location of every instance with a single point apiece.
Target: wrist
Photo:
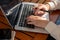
(46, 23)
(52, 5)
(48, 6)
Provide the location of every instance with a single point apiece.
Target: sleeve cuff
(50, 27)
(52, 5)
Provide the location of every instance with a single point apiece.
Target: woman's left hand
(37, 21)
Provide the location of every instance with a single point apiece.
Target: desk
(21, 35)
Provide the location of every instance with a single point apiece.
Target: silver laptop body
(25, 9)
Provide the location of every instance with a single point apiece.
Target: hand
(37, 21)
(40, 7)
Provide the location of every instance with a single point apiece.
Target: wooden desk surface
(3, 22)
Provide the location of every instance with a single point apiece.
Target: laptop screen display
(8, 4)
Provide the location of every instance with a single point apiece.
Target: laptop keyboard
(27, 11)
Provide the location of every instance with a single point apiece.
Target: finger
(40, 8)
(29, 22)
(39, 12)
(30, 18)
(36, 6)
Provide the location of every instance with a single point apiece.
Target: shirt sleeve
(54, 30)
(54, 4)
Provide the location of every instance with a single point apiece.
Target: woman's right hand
(40, 7)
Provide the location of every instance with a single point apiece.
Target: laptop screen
(8, 4)
(10, 9)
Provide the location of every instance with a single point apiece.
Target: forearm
(54, 4)
(54, 30)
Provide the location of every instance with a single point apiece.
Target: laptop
(17, 17)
